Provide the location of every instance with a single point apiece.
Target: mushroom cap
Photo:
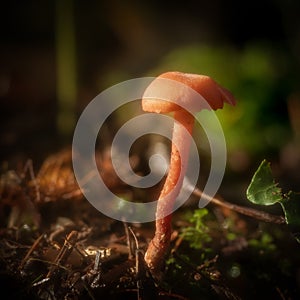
(172, 88)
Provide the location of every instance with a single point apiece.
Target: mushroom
(175, 88)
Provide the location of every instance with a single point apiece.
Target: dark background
(251, 47)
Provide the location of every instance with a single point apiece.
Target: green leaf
(291, 207)
(263, 190)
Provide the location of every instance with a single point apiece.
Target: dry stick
(128, 240)
(29, 166)
(65, 252)
(32, 248)
(260, 215)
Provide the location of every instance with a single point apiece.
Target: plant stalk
(247, 211)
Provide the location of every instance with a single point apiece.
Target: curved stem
(159, 245)
(247, 211)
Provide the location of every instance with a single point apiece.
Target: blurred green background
(56, 56)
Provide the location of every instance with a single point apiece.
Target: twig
(171, 295)
(257, 214)
(32, 248)
(65, 251)
(29, 166)
(128, 240)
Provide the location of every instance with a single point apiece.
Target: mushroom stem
(159, 245)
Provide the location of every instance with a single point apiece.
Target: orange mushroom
(180, 98)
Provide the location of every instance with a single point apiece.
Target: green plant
(197, 235)
(263, 190)
(264, 243)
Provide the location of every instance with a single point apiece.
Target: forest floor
(55, 245)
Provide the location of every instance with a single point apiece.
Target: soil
(55, 245)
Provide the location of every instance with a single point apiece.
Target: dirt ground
(55, 245)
